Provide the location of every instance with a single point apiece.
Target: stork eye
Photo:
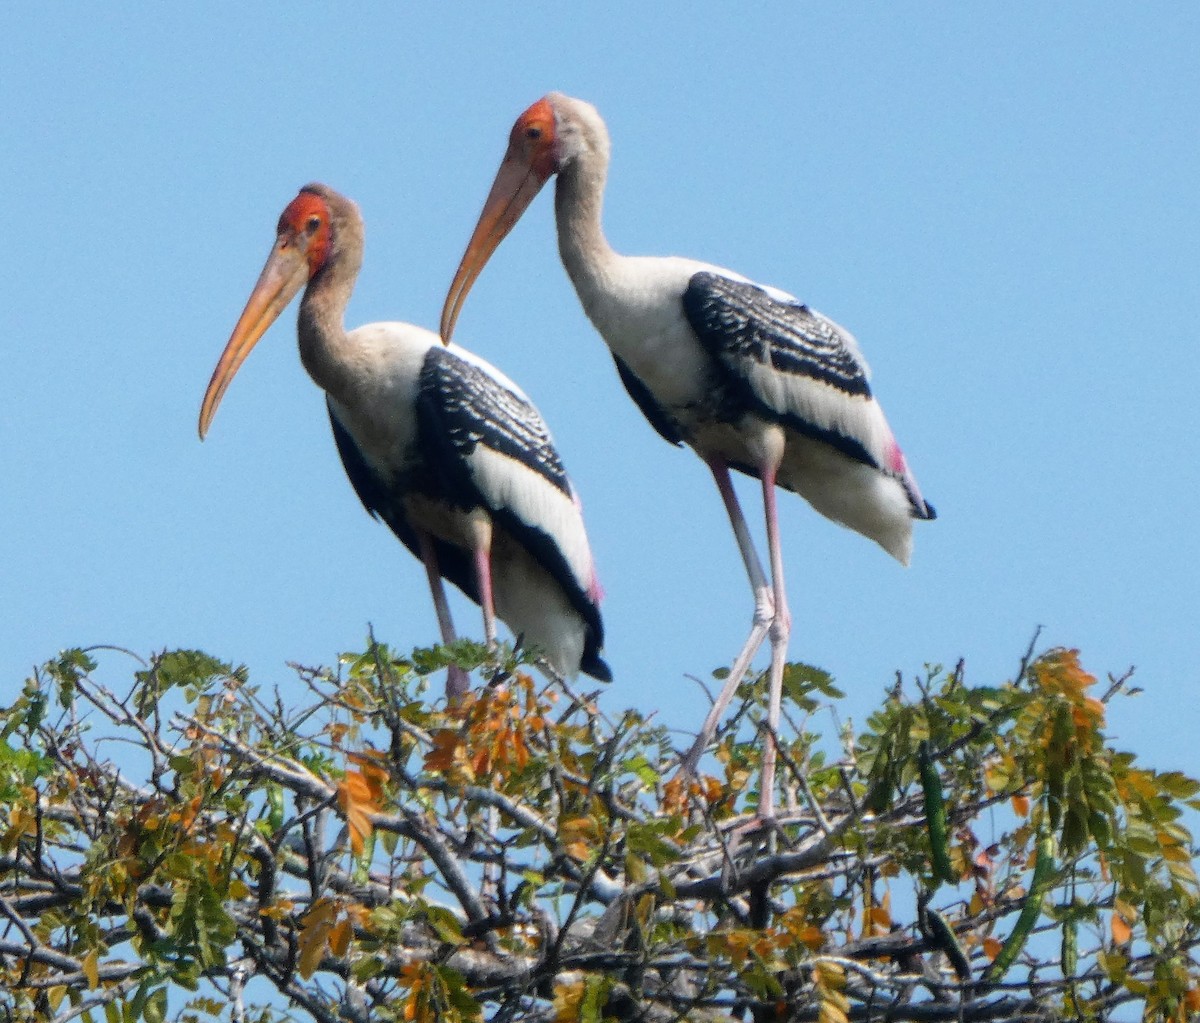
(312, 225)
(533, 133)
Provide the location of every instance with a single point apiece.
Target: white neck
(578, 202)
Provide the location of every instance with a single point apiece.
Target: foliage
(356, 849)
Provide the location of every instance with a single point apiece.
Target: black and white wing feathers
(745, 325)
(465, 407)
(790, 362)
(495, 450)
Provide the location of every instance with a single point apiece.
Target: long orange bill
(515, 187)
(285, 273)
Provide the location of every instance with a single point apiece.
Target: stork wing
(791, 362)
(495, 450)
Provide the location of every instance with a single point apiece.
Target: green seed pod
(1070, 945)
(1043, 874)
(942, 934)
(935, 817)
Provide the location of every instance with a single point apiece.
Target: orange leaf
(1121, 931)
(373, 768)
(1020, 805)
(673, 791)
(878, 921)
(812, 936)
(443, 755)
(339, 937)
(991, 947)
(737, 946)
(314, 935)
(579, 851)
(356, 797)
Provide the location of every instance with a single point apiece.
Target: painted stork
(437, 443)
(746, 375)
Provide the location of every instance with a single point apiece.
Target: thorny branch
(522, 857)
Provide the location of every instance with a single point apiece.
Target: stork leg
(482, 556)
(457, 682)
(483, 578)
(764, 615)
(780, 631)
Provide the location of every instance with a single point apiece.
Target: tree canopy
(189, 844)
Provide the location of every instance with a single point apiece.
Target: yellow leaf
(830, 979)
(91, 968)
(568, 1002)
(1126, 910)
(831, 1013)
(828, 974)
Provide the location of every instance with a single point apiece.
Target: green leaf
(192, 669)
(156, 1006)
(67, 669)
(445, 924)
(595, 997)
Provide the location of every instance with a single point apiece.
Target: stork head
(545, 139)
(303, 243)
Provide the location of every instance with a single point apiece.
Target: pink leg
(457, 682)
(483, 578)
(764, 615)
(781, 628)
(482, 556)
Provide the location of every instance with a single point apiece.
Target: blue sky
(1000, 201)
